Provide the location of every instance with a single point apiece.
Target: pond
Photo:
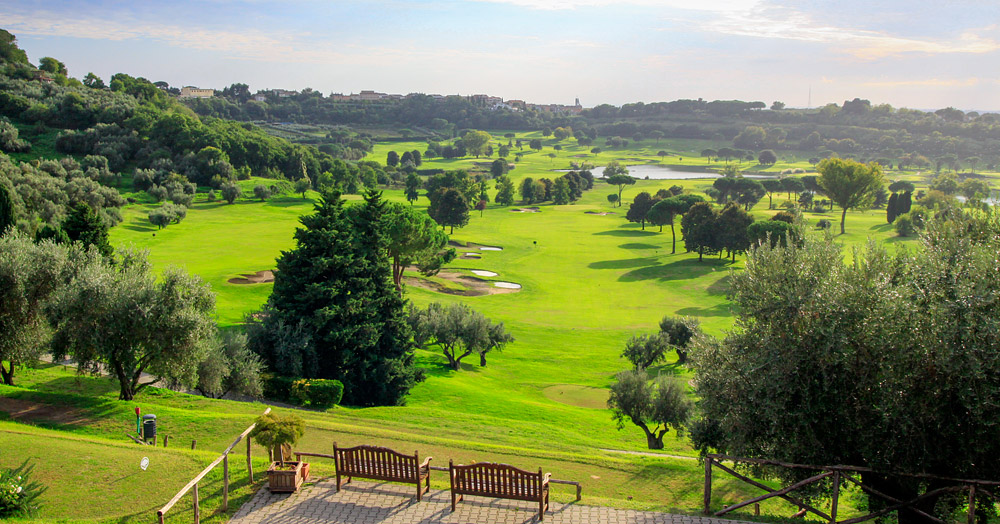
(660, 172)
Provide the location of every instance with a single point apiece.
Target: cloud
(562, 5)
(789, 24)
(929, 82)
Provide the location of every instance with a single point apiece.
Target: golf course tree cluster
(617, 175)
(900, 200)
(334, 312)
(891, 358)
(733, 187)
(708, 230)
(566, 189)
(850, 184)
(458, 330)
(643, 203)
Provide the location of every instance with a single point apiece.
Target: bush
(18, 492)
(819, 209)
(278, 388)
(905, 226)
(824, 224)
(317, 393)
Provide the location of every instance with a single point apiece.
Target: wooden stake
(972, 504)
(194, 443)
(708, 485)
(165, 439)
(249, 462)
(225, 483)
(836, 497)
(197, 516)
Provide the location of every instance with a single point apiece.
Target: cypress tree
(6, 210)
(904, 203)
(891, 208)
(337, 283)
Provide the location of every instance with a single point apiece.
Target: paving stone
(382, 503)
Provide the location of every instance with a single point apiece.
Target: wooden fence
(839, 476)
(224, 459)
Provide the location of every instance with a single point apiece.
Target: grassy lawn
(589, 282)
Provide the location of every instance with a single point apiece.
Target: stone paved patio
(383, 503)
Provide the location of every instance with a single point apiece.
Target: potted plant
(275, 432)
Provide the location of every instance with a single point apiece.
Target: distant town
(487, 101)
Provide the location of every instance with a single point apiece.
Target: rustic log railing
(579, 488)
(840, 475)
(193, 484)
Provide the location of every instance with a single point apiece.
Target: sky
(806, 53)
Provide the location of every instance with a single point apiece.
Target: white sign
(144, 463)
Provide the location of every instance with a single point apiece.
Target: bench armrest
(425, 462)
(545, 478)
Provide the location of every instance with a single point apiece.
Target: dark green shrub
(317, 393)
(278, 388)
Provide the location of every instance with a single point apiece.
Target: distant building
(339, 97)
(194, 92)
(284, 93)
(260, 97)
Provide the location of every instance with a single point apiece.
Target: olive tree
(655, 406)
(888, 362)
(117, 316)
(413, 238)
(458, 330)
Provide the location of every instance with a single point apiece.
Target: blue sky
(912, 53)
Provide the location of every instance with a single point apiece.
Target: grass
(589, 282)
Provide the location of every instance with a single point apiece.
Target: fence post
(194, 443)
(225, 483)
(197, 517)
(836, 497)
(166, 438)
(249, 462)
(972, 504)
(708, 485)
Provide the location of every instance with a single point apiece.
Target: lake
(658, 172)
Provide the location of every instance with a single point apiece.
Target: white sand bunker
(526, 210)
(470, 256)
(599, 213)
(507, 285)
(490, 248)
(483, 273)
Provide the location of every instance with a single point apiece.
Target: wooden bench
(373, 462)
(489, 479)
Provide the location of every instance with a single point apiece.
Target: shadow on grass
(638, 245)
(139, 226)
(286, 202)
(720, 287)
(882, 228)
(719, 310)
(623, 263)
(680, 270)
(626, 233)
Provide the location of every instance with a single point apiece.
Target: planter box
(285, 480)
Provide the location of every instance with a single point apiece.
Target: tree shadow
(623, 263)
(718, 310)
(680, 270)
(626, 233)
(139, 226)
(720, 286)
(638, 245)
(881, 228)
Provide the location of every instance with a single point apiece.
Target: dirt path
(28, 411)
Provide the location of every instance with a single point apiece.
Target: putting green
(580, 396)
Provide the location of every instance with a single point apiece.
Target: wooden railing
(840, 475)
(224, 459)
(579, 488)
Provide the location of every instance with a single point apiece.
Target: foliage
(645, 350)
(849, 184)
(317, 393)
(679, 331)
(641, 205)
(6, 210)
(272, 431)
(230, 366)
(898, 349)
(18, 492)
(660, 404)
(335, 289)
(231, 192)
(505, 191)
(414, 239)
(30, 274)
(449, 208)
(115, 315)
(617, 175)
(700, 231)
(167, 214)
(458, 330)
(774, 232)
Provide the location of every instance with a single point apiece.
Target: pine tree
(83, 225)
(336, 282)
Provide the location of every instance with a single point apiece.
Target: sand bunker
(470, 256)
(581, 396)
(525, 210)
(471, 286)
(483, 273)
(259, 277)
(490, 248)
(599, 213)
(507, 285)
